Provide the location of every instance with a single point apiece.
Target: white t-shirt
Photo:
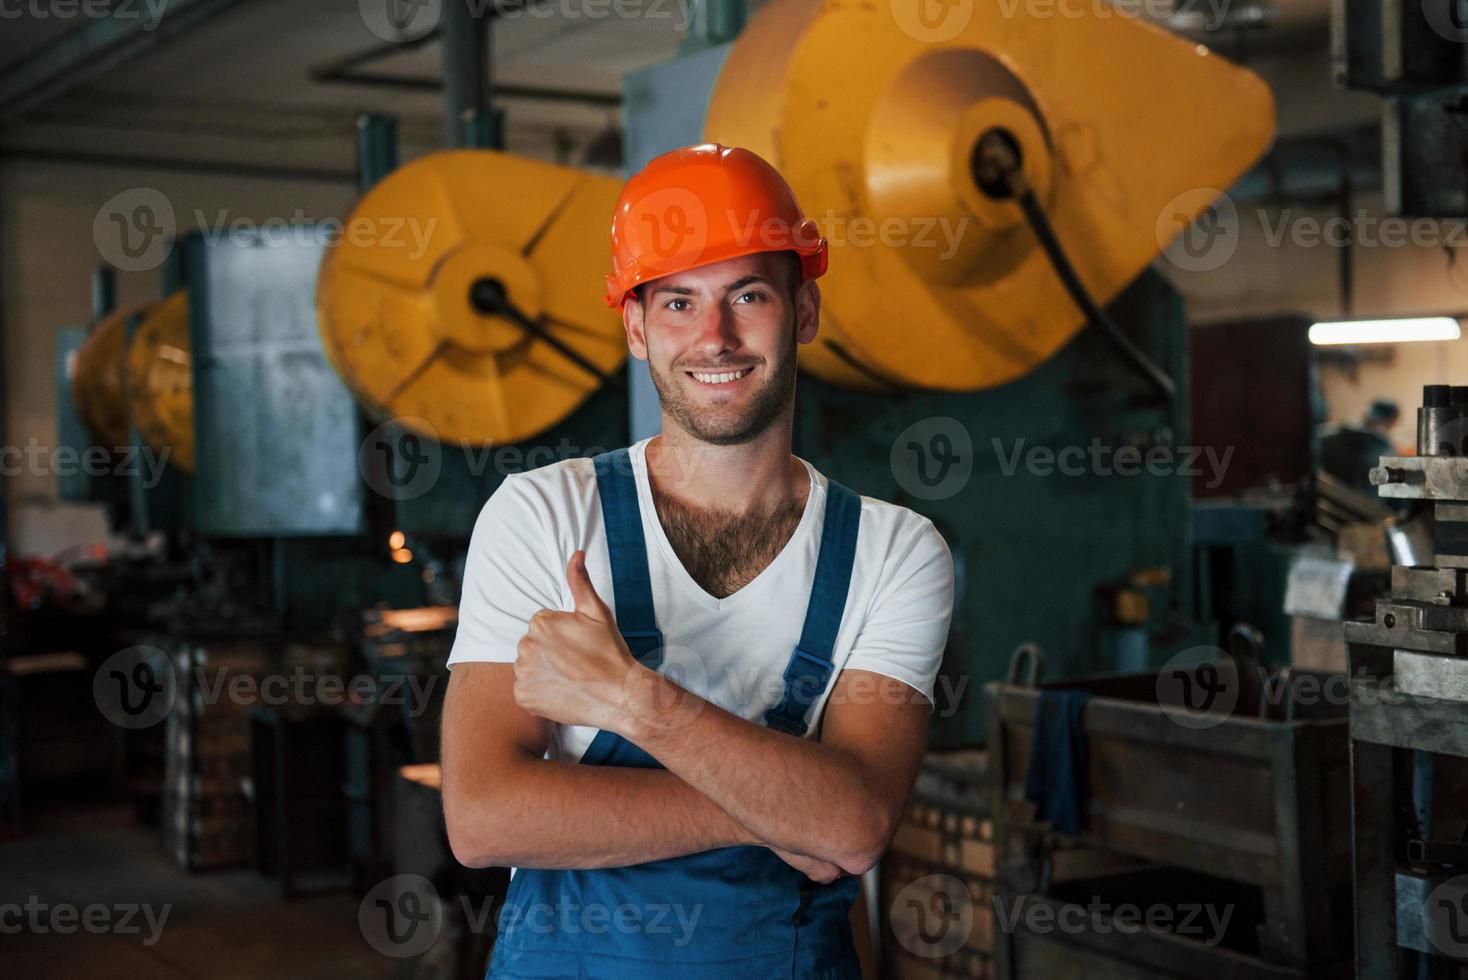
(731, 651)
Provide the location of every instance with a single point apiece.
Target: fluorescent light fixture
(1399, 331)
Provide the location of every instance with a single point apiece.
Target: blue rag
(1057, 777)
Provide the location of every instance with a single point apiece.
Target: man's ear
(807, 311)
(632, 322)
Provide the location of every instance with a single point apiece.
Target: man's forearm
(548, 814)
(791, 793)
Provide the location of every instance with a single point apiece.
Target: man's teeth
(721, 378)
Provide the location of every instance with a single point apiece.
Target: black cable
(488, 297)
(998, 172)
(1045, 234)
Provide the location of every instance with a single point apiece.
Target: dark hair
(1383, 410)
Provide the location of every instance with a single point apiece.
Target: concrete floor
(219, 924)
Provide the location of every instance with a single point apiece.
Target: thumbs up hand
(572, 667)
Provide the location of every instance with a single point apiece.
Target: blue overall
(733, 913)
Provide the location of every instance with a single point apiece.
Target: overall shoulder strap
(627, 548)
(810, 667)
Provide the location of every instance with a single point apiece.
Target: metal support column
(469, 120)
(4, 531)
(377, 148)
(104, 292)
(714, 22)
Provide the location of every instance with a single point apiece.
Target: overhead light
(1400, 331)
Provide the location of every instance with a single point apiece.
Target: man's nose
(715, 331)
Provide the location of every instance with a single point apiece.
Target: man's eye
(753, 296)
(677, 305)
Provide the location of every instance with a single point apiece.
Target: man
(1349, 452)
(692, 678)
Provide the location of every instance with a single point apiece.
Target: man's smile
(720, 377)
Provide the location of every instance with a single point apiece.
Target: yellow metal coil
(160, 383)
(394, 308)
(98, 383)
(872, 112)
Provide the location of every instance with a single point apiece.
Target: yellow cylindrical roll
(160, 383)
(406, 301)
(873, 113)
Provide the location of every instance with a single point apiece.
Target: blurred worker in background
(1348, 452)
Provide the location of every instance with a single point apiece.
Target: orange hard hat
(704, 204)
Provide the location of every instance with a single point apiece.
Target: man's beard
(728, 426)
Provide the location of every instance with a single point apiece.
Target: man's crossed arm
(826, 806)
